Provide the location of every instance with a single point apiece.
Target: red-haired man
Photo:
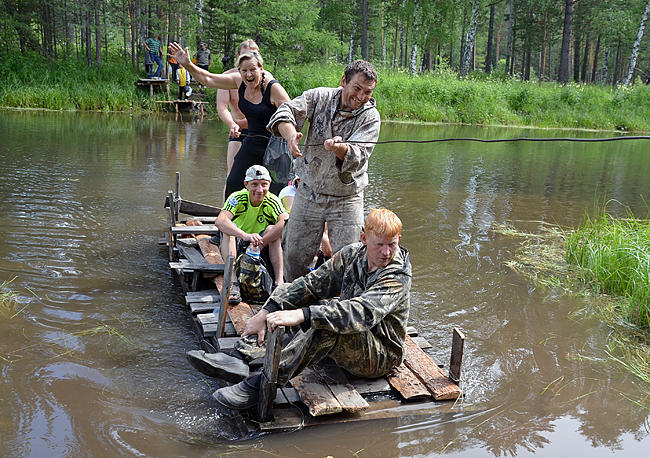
(353, 309)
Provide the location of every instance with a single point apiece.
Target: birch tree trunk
(635, 48)
(413, 59)
(469, 41)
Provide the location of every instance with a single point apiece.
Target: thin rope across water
(481, 140)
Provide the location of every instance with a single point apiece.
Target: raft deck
(322, 394)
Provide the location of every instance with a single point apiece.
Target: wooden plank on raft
(185, 230)
(206, 295)
(203, 267)
(192, 254)
(203, 307)
(436, 381)
(406, 383)
(239, 314)
(370, 385)
(315, 394)
(341, 388)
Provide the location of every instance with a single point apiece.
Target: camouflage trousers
(361, 354)
(303, 231)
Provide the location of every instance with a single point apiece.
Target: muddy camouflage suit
(362, 330)
(330, 190)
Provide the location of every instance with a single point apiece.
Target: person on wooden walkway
(343, 128)
(353, 309)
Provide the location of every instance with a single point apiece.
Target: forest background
(548, 63)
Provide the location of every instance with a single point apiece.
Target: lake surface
(94, 364)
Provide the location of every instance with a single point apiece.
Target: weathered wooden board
(422, 342)
(227, 343)
(239, 314)
(268, 384)
(192, 254)
(210, 330)
(408, 385)
(370, 385)
(211, 295)
(341, 388)
(315, 394)
(203, 307)
(286, 396)
(186, 230)
(203, 267)
(436, 381)
(456, 361)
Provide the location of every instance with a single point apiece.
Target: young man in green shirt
(153, 48)
(256, 216)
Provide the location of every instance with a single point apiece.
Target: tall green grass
(489, 100)
(614, 258)
(440, 96)
(31, 82)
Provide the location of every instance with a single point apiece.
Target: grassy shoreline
(437, 98)
(607, 261)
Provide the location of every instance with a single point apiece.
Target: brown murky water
(94, 365)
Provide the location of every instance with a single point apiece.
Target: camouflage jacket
(320, 170)
(376, 302)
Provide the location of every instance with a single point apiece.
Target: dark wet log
(239, 314)
(269, 383)
(436, 381)
(406, 383)
(315, 394)
(341, 388)
(456, 362)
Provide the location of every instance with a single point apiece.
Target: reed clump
(613, 256)
(8, 300)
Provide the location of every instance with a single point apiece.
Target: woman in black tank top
(258, 100)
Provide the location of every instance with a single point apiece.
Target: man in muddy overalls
(343, 128)
(353, 309)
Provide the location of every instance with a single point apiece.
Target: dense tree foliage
(590, 41)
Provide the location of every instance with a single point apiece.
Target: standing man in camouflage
(343, 128)
(353, 309)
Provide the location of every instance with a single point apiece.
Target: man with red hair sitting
(352, 309)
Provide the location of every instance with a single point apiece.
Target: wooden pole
(457, 346)
(225, 292)
(178, 194)
(268, 386)
(171, 219)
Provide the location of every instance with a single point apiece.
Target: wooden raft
(324, 391)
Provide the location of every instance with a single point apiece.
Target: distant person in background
(183, 78)
(229, 98)
(174, 64)
(148, 64)
(203, 58)
(153, 47)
